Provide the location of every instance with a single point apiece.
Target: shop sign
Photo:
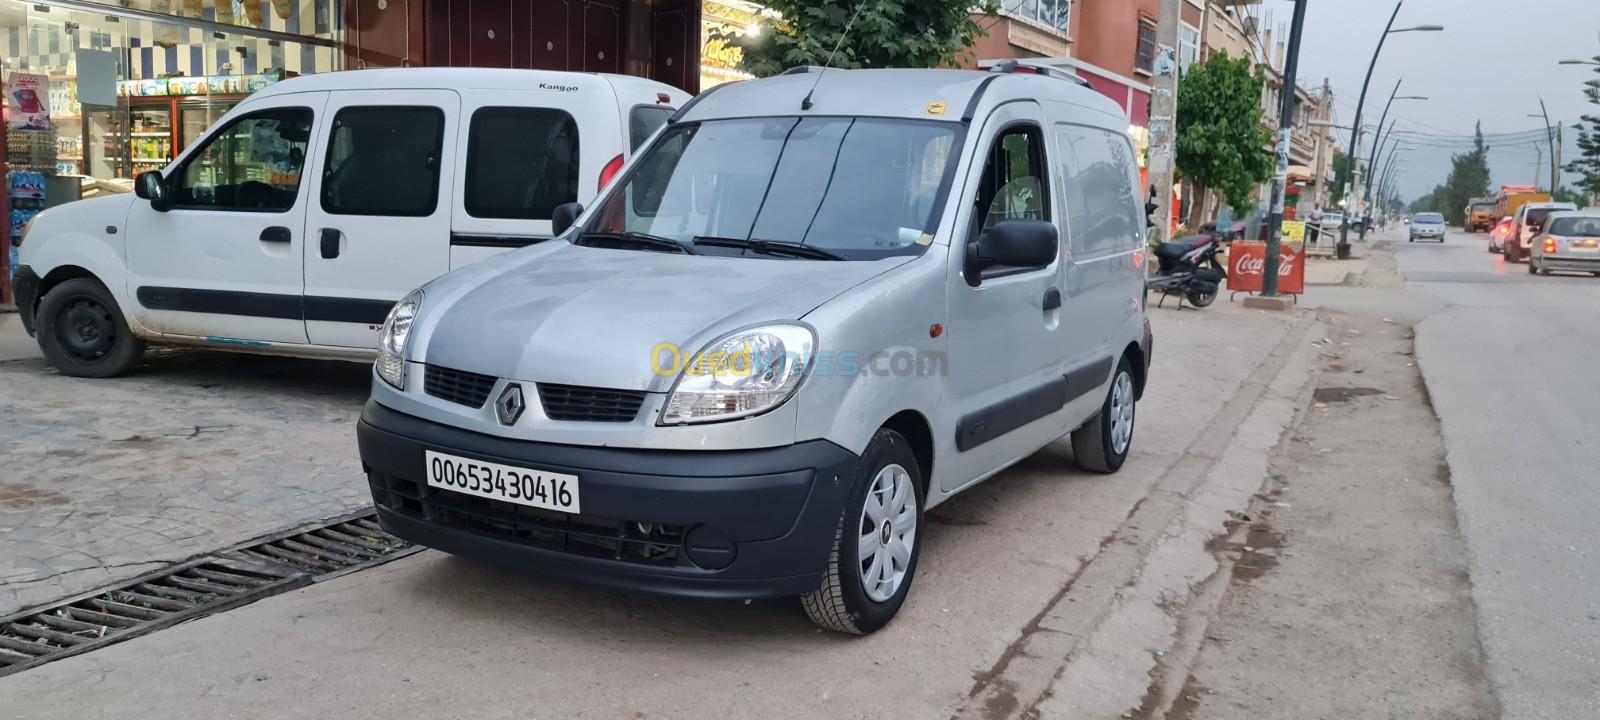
(202, 85)
(28, 97)
(1294, 231)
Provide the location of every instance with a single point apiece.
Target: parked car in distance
(750, 367)
(1426, 226)
(300, 218)
(1525, 224)
(1497, 236)
(1568, 242)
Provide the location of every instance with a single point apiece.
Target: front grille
(457, 386)
(587, 404)
(577, 534)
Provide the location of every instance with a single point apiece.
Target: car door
(380, 224)
(1005, 377)
(224, 261)
(1100, 196)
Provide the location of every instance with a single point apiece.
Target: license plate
(1585, 244)
(523, 486)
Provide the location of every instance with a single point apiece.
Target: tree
(1434, 201)
(1220, 143)
(1469, 178)
(1587, 165)
(1342, 165)
(885, 33)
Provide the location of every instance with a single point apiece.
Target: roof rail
(800, 70)
(1018, 66)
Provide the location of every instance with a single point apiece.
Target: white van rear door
(523, 152)
(379, 225)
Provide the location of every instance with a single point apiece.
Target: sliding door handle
(1052, 299)
(330, 243)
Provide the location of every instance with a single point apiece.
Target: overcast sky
(1493, 62)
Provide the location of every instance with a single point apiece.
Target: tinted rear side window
(643, 120)
(521, 162)
(384, 160)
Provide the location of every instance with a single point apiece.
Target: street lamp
(1555, 172)
(1377, 147)
(1343, 248)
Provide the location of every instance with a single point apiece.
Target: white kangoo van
(307, 211)
(815, 306)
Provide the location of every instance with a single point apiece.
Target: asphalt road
(1512, 362)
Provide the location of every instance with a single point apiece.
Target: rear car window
(384, 160)
(643, 120)
(521, 162)
(1576, 226)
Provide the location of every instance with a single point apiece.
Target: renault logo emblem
(510, 405)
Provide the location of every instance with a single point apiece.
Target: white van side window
(384, 160)
(521, 162)
(1102, 200)
(253, 164)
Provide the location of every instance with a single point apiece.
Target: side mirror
(1012, 243)
(563, 216)
(151, 186)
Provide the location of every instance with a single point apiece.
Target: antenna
(805, 103)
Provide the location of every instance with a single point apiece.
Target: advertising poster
(29, 99)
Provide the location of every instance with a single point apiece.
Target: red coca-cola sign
(1248, 260)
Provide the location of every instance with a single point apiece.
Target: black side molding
(268, 305)
(1014, 412)
(494, 241)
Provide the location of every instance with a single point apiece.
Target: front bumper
(709, 524)
(25, 291)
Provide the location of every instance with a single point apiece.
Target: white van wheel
(876, 546)
(82, 332)
(1102, 444)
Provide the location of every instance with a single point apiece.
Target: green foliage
(1342, 164)
(885, 33)
(1587, 164)
(1432, 202)
(1220, 142)
(1469, 178)
(1566, 194)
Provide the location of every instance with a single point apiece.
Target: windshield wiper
(642, 241)
(776, 248)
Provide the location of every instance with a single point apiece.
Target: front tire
(876, 545)
(82, 332)
(1102, 444)
(1201, 299)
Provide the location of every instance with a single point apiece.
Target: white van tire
(82, 332)
(1102, 444)
(843, 603)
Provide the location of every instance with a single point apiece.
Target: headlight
(744, 373)
(392, 341)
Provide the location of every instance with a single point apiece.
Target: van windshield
(856, 188)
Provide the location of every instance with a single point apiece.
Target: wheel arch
(912, 426)
(1134, 352)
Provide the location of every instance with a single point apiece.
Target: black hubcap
(85, 329)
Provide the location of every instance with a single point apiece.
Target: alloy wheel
(1121, 413)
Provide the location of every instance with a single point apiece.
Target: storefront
(719, 59)
(98, 91)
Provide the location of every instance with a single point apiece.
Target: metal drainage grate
(194, 589)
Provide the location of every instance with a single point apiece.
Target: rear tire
(82, 332)
(861, 600)
(1531, 269)
(1102, 444)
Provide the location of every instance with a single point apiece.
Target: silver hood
(562, 313)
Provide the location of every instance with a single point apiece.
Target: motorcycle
(1189, 268)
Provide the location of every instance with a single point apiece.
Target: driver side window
(1013, 183)
(251, 165)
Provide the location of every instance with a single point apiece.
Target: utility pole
(1280, 174)
(1555, 158)
(1163, 117)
